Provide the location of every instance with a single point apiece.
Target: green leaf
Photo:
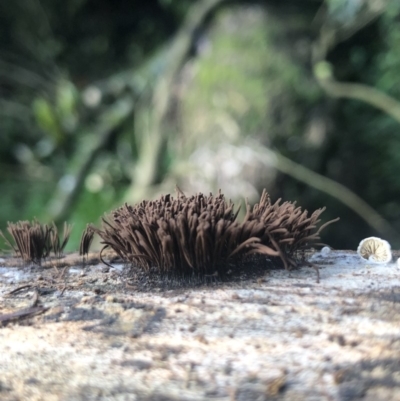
(46, 118)
(66, 98)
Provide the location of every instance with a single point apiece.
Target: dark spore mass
(199, 236)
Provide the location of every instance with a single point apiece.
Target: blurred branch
(330, 36)
(361, 92)
(21, 75)
(332, 188)
(63, 201)
(153, 140)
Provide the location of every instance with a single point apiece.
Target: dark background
(108, 101)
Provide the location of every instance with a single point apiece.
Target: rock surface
(81, 333)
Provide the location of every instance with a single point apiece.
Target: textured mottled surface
(283, 336)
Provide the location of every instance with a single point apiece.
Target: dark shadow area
(146, 322)
(355, 381)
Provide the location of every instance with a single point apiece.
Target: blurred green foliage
(249, 74)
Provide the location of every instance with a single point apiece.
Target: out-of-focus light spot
(94, 182)
(316, 133)
(23, 153)
(67, 183)
(44, 147)
(293, 144)
(229, 126)
(231, 168)
(91, 96)
(219, 100)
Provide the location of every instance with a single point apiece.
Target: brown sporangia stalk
(56, 244)
(288, 228)
(200, 234)
(34, 241)
(86, 240)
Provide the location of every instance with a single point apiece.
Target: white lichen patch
(375, 250)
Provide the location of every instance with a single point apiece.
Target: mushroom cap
(325, 250)
(375, 250)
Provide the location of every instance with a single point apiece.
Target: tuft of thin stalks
(290, 230)
(56, 244)
(34, 241)
(86, 240)
(200, 235)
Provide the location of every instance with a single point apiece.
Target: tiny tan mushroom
(375, 250)
(325, 250)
